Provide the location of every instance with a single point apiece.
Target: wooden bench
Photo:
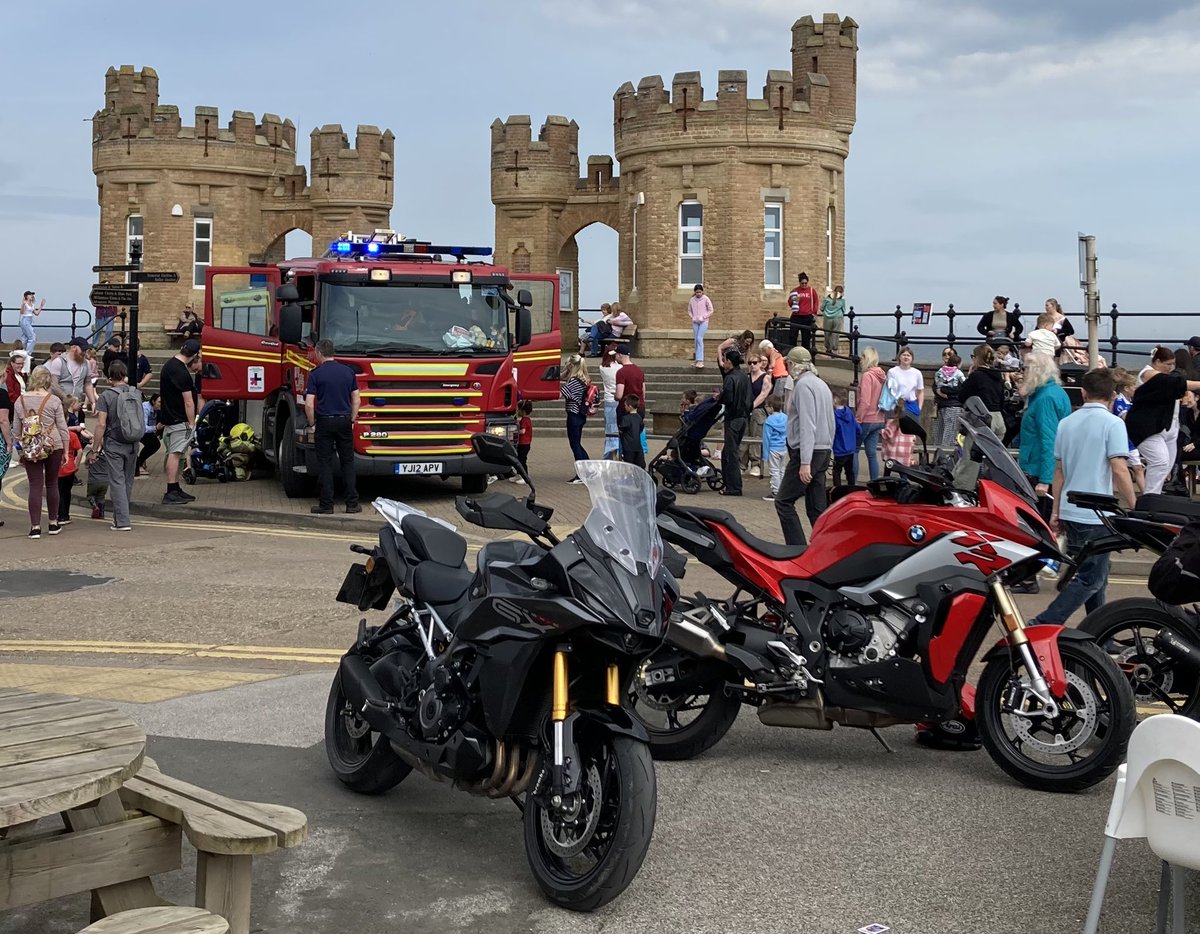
(226, 833)
(160, 921)
(174, 334)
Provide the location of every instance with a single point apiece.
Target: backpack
(35, 438)
(1175, 577)
(126, 416)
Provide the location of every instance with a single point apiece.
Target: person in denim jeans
(573, 388)
(1091, 450)
(29, 311)
(870, 419)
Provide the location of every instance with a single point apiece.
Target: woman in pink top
(870, 384)
(700, 309)
(37, 401)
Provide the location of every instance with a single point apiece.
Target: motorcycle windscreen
(622, 520)
(1002, 469)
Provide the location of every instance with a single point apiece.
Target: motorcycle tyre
(700, 735)
(1097, 767)
(636, 810)
(1117, 616)
(378, 771)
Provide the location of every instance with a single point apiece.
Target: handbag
(887, 399)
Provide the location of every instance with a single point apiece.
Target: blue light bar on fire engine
(404, 248)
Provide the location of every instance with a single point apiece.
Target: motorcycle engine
(441, 707)
(854, 638)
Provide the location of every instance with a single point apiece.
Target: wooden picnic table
(58, 753)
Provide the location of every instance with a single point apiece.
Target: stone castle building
(741, 193)
(204, 194)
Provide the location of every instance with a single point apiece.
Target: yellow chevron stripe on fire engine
(415, 368)
(421, 393)
(537, 355)
(296, 359)
(229, 353)
(419, 409)
(413, 452)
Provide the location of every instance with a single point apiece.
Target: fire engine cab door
(241, 352)
(537, 363)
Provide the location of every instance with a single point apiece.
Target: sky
(989, 134)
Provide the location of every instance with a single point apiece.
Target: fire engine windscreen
(407, 318)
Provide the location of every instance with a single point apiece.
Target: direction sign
(154, 277)
(105, 294)
(116, 267)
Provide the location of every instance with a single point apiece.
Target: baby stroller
(206, 458)
(683, 464)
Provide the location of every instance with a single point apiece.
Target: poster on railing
(922, 311)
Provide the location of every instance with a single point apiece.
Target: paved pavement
(220, 638)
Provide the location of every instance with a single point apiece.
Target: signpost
(1087, 282)
(116, 267)
(126, 294)
(154, 277)
(104, 293)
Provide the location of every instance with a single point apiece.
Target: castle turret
(224, 195)
(737, 191)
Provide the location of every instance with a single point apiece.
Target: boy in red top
(66, 478)
(524, 435)
(804, 305)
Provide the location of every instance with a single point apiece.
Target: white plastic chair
(1157, 797)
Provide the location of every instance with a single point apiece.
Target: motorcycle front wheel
(1072, 751)
(363, 761)
(586, 855)
(1125, 629)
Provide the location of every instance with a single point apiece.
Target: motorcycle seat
(772, 550)
(1164, 507)
(436, 584)
(432, 541)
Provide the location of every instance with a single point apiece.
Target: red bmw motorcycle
(877, 621)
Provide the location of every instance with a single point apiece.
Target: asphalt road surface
(772, 831)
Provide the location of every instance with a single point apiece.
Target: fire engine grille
(420, 434)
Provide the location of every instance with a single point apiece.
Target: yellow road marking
(136, 685)
(178, 649)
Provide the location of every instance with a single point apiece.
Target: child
(1044, 339)
(97, 483)
(524, 436)
(74, 409)
(687, 402)
(66, 478)
(629, 426)
(1006, 360)
(774, 442)
(845, 439)
(1125, 382)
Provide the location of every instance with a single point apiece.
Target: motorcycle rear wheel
(1078, 748)
(660, 710)
(587, 859)
(363, 761)
(1125, 629)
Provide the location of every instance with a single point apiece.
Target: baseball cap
(798, 356)
(191, 347)
(1192, 342)
(79, 342)
(623, 349)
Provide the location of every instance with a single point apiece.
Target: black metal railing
(58, 325)
(963, 336)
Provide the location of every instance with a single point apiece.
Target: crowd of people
(44, 412)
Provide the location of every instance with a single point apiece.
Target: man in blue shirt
(1091, 450)
(331, 400)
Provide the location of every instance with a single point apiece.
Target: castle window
(691, 243)
(201, 250)
(566, 289)
(633, 245)
(829, 225)
(133, 238)
(816, 68)
(773, 245)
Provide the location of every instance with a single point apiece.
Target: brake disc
(1084, 716)
(356, 728)
(567, 833)
(1145, 664)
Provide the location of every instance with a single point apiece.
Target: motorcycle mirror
(664, 501)
(910, 426)
(974, 406)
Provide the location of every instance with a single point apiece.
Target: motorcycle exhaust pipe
(364, 693)
(693, 638)
(1177, 649)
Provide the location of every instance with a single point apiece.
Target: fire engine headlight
(500, 431)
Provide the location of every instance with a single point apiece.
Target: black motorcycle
(507, 680)
(1155, 642)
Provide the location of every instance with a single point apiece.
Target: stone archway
(571, 224)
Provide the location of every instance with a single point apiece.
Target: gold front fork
(559, 710)
(1010, 616)
(614, 686)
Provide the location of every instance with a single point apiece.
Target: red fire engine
(443, 342)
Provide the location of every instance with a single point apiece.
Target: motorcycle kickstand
(883, 742)
(517, 801)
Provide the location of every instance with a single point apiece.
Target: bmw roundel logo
(917, 533)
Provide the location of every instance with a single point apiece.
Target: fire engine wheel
(475, 483)
(294, 484)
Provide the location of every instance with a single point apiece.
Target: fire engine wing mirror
(287, 293)
(525, 298)
(524, 327)
(291, 328)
